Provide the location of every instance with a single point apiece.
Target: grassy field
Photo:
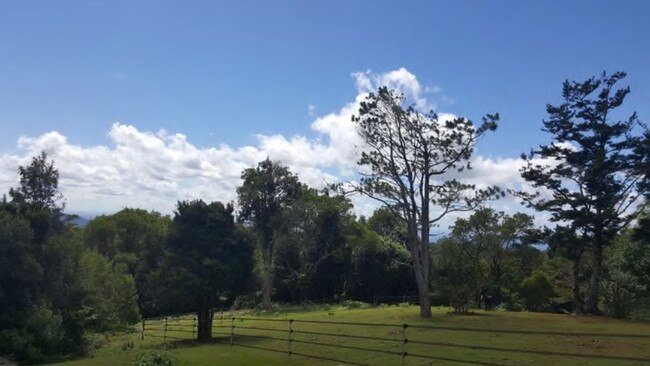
(546, 349)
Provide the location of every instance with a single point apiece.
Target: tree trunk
(591, 307)
(577, 298)
(267, 287)
(422, 281)
(267, 269)
(204, 316)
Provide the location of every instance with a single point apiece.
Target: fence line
(152, 328)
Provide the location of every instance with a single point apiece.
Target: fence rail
(238, 330)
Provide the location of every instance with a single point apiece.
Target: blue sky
(222, 73)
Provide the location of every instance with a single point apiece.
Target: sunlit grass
(116, 351)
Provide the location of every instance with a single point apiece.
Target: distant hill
(80, 221)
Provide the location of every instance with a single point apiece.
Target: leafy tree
(310, 253)
(597, 174)
(456, 278)
(385, 223)
(559, 271)
(564, 242)
(38, 320)
(39, 185)
(627, 275)
(100, 234)
(208, 258)
(537, 291)
(497, 252)
(112, 296)
(135, 239)
(46, 303)
(409, 157)
(265, 195)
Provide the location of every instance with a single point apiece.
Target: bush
(156, 358)
(352, 304)
(511, 301)
(246, 302)
(536, 290)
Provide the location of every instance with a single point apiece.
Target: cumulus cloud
(154, 169)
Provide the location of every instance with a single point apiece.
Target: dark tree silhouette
(39, 184)
(593, 170)
(208, 257)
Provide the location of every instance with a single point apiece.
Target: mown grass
(546, 349)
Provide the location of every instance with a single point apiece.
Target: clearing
(479, 339)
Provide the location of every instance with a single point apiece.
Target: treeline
(494, 260)
(59, 282)
(53, 289)
(287, 242)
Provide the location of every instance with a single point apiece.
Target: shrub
(511, 301)
(156, 358)
(352, 304)
(536, 290)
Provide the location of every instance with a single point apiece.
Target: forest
(284, 242)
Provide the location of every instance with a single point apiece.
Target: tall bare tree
(408, 165)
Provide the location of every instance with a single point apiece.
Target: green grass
(220, 353)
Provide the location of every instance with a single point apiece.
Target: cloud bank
(153, 170)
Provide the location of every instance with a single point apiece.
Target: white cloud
(311, 110)
(400, 79)
(153, 170)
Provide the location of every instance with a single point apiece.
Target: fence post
(193, 327)
(290, 336)
(404, 342)
(165, 335)
(143, 320)
(232, 332)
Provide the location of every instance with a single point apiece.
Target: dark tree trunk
(421, 269)
(205, 324)
(267, 282)
(591, 307)
(267, 270)
(577, 297)
(423, 294)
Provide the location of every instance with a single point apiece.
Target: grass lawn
(547, 349)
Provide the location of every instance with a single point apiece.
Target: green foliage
(133, 238)
(156, 358)
(536, 290)
(327, 255)
(379, 266)
(111, 299)
(456, 277)
(409, 154)
(559, 271)
(310, 254)
(486, 256)
(600, 172)
(264, 197)
(39, 185)
(52, 291)
(208, 257)
(511, 301)
(627, 275)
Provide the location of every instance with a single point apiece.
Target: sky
(142, 103)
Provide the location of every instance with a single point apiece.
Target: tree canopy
(407, 161)
(594, 169)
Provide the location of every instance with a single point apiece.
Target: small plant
(127, 345)
(156, 358)
(352, 304)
